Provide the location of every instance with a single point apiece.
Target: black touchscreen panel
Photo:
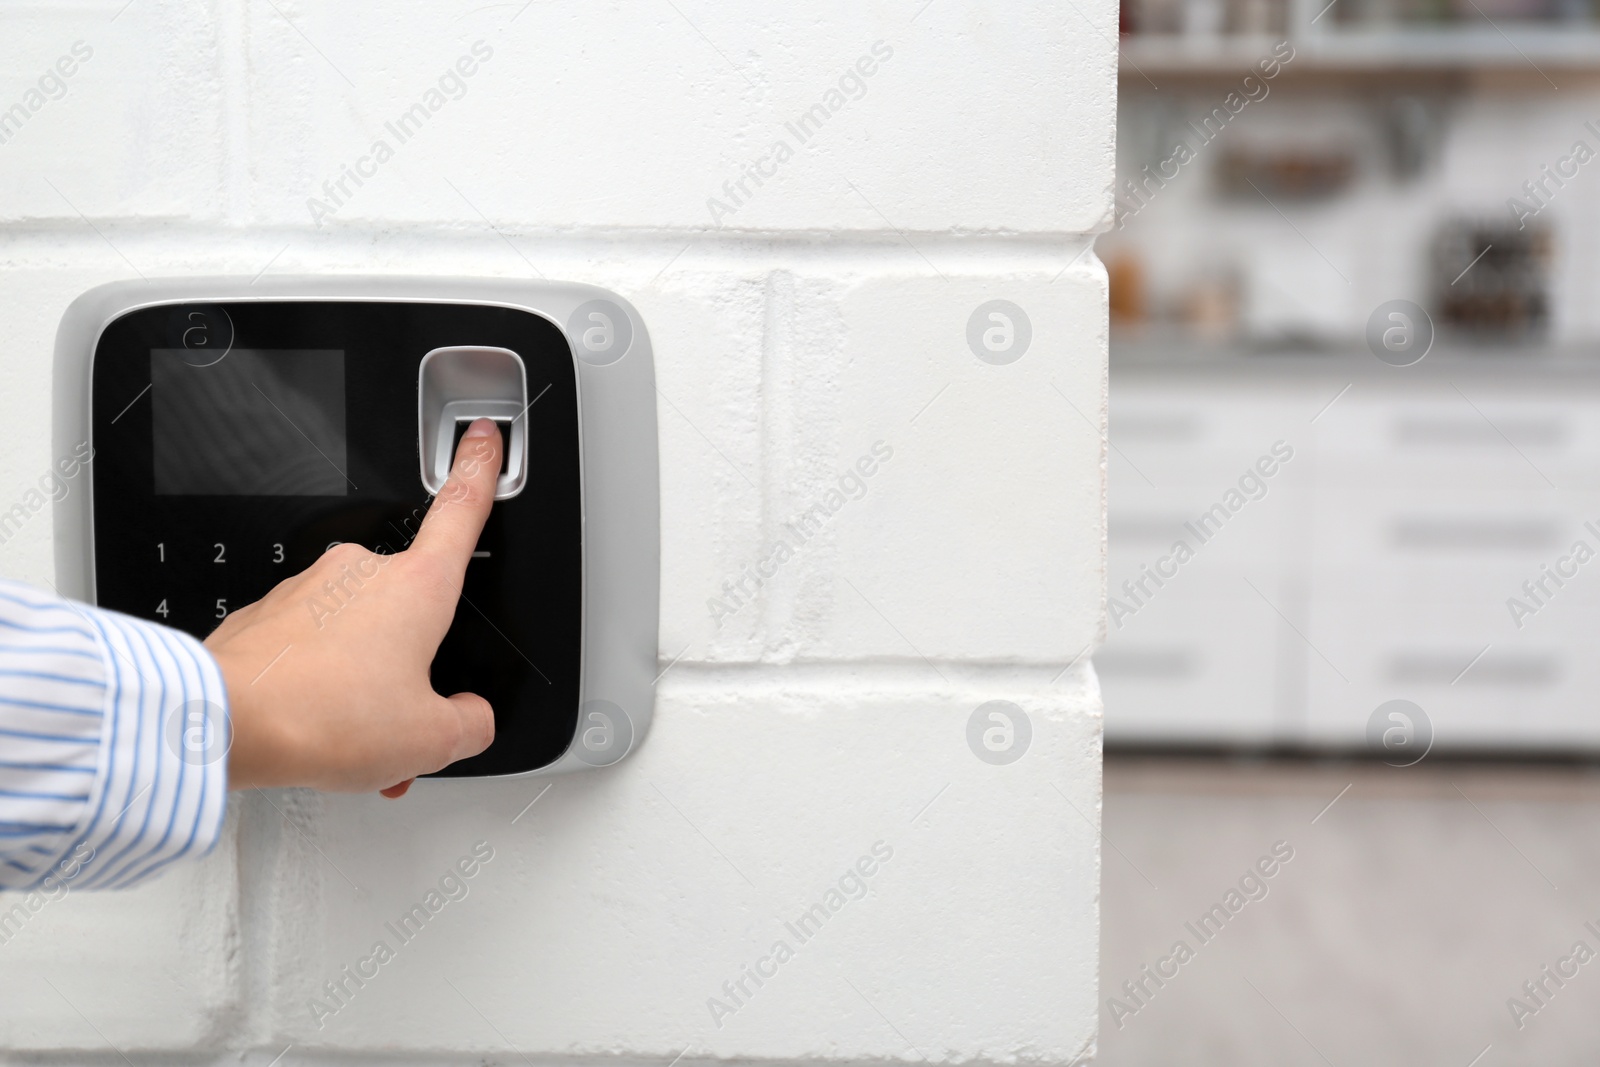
(233, 452)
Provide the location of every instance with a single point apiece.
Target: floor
(1404, 911)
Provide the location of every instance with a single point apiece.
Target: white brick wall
(829, 710)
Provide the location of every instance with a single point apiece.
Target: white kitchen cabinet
(1378, 565)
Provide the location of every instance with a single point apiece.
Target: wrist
(254, 755)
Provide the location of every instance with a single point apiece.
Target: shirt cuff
(161, 788)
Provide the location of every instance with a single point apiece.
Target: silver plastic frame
(620, 477)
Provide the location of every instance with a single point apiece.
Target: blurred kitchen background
(1417, 538)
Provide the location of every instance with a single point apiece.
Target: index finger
(451, 528)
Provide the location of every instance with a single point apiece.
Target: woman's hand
(327, 675)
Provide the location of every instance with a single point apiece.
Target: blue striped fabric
(113, 744)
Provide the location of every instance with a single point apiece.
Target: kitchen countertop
(1532, 365)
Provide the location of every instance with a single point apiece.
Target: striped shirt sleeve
(113, 742)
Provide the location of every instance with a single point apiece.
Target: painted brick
(151, 968)
(980, 538)
(617, 904)
(636, 117)
(707, 329)
(136, 130)
(36, 285)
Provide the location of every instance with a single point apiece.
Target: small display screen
(256, 422)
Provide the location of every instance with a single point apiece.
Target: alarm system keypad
(231, 457)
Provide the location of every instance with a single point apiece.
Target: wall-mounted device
(241, 428)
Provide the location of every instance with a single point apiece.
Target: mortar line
(776, 409)
(234, 70)
(1052, 247)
